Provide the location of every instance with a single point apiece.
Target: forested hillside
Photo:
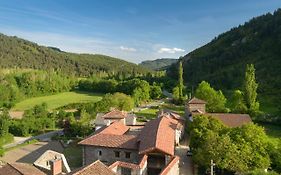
(222, 62)
(20, 53)
(158, 64)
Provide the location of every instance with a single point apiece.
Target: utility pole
(212, 167)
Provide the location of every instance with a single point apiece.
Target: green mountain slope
(222, 62)
(158, 64)
(20, 53)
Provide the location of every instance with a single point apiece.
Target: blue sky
(133, 30)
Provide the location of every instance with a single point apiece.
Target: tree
(237, 102)
(250, 89)
(180, 83)
(238, 149)
(176, 94)
(4, 123)
(215, 99)
(155, 91)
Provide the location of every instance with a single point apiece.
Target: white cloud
(170, 50)
(128, 49)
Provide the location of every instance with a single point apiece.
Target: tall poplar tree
(180, 81)
(250, 89)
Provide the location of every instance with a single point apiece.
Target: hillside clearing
(58, 100)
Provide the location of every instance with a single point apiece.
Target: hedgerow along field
(58, 100)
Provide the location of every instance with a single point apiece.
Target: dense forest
(158, 64)
(20, 53)
(222, 62)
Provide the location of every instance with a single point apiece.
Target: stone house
(147, 150)
(196, 106)
(113, 116)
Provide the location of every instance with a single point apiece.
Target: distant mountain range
(20, 53)
(222, 62)
(158, 64)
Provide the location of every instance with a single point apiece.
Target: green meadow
(58, 100)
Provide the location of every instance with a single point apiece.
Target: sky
(134, 30)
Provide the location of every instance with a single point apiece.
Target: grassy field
(150, 113)
(147, 114)
(58, 100)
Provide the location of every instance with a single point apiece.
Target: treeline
(19, 85)
(244, 150)
(222, 61)
(140, 90)
(20, 53)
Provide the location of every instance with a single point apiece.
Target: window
(117, 153)
(100, 153)
(127, 155)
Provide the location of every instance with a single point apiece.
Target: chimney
(56, 166)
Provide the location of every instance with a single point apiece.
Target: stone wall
(92, 153)
(131, 119)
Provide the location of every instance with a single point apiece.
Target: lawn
(73, 155)
(57, 100)
(148, 114)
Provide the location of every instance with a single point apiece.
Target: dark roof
(96, 168)
(20, 169)
(158, 135)
(232, 120)
(195, 100)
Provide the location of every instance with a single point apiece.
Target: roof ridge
(157, 131)
(15, 168)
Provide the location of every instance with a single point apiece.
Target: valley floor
(58, 100)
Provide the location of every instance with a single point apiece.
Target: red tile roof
(130, 165)
(116, 128)
(112, 136)
(158, 135)
(112, 141)
(115, 114)
(96, 168)
(232, 120)
(195, 100)
(124, 164)
(170, 165)
(143, 160)
(20, 169)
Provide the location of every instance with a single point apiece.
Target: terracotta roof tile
(116, 128)
(20, 169)
(112, 136)
(232, 120)
(130, 165)
(124, 164)
(8, 169)
(112, 141)
(96, 168)
(170, 165)
(195, 100)
(115, 114)
(158, 135)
